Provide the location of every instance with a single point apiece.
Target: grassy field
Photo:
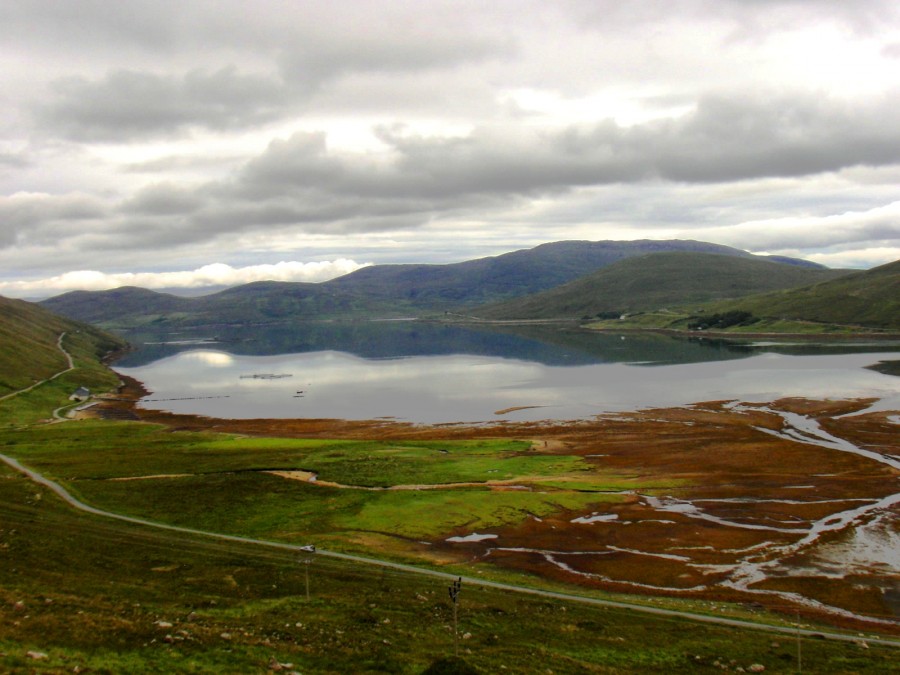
(168, 472)
(110, 597)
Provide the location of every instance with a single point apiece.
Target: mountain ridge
(385, 291)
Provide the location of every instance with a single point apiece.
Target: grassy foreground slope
(29, 350)
(656, 281)
(79, 593)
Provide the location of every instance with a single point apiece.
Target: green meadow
(223, 483)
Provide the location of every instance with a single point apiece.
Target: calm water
(438, 374)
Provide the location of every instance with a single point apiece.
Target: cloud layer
(164, 136)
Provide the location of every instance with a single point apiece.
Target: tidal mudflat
(793, 504)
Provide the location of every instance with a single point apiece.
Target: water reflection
(441, 374)
(379, 340)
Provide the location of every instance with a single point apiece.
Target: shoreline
(707, 454)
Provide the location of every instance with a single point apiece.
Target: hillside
(377, 291)
(28, 343)
(870, 298)
(99, 307)
(514, 274)
(655, 281)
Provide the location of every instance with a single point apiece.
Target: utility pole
(454, 590)
(799, 652)
(307, 561)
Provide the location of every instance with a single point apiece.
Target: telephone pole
(307, 561)
(454, 590)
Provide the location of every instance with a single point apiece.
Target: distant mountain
(656, 281)
(28, 343)
(377, 291)
(99, 307)
(868, 298)
(513, 274)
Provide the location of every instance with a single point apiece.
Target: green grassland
(222, 483)
(111, 597)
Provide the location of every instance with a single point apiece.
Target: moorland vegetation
(81, 591)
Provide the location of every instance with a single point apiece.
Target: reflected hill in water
(552, 346)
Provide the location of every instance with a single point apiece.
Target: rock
(225, 636)
(36, 656)
(277, 666)
(162, 624)
(757, 668)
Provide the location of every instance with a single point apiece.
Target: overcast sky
(169, 144)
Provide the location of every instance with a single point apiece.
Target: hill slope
(382, 290)
(870, 298)
(28, 343)
(513, 274)
(656, 281)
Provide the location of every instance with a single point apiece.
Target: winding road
(63, 494)
(71, 366)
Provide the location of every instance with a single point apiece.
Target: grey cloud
(883, 231)
(299, 184)
(183, 162)
(13, 160)
(127, 103)
(26, 212)
(749, 16)
(164, 199)
(748, 137)
(297, 181)
(319, 58)
(41, 217)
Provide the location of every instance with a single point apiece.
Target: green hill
(28, 344)
(869, 298)
(99, 307)
(656, 281)
(378, 291)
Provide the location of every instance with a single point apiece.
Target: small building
(80, 394)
